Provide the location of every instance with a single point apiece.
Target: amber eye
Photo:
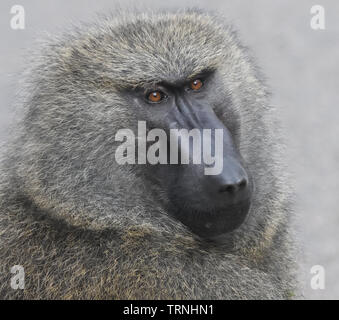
(155, 96)
(196, 84)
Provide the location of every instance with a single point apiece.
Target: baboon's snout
(214, 196)
(211, 205)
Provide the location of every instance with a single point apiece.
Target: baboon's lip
(221, 222)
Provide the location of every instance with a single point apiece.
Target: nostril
(242, 184)
(232, 188)
(229, 188)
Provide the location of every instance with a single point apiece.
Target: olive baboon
(83, 226)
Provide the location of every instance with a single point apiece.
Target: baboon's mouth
(210, 225)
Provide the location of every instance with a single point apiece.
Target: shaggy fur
(83, 226)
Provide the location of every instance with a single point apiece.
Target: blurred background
(302, 69)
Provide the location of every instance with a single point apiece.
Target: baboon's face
(210, 204)
(174, 72)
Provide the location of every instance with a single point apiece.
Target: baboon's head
(173, 71)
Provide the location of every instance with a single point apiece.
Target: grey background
(301, 65)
